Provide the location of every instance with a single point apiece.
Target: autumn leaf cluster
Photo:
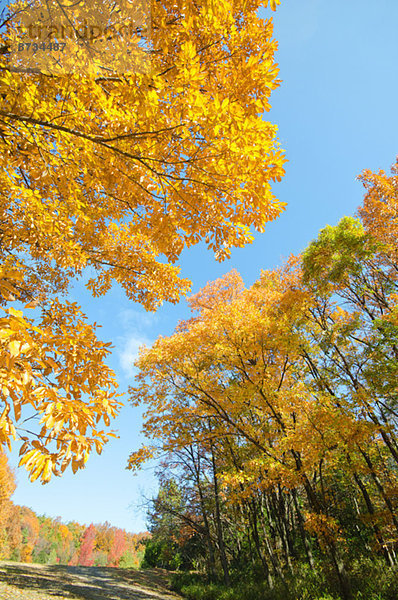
(114, 174)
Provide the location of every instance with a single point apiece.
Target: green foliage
(152, 556)
(304, 585)
(41, 557)
(15, 555)
(52, 557)
(130, 560)
(337, 253)
(163, 554)
(370, 581)
(196, 591)
(101, 559)
(169, 547)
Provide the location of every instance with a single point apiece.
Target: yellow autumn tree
(238, 364)
(7, 488)
(7, 481)
(380, 206)
(120, 169)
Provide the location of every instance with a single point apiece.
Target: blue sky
(337, 114)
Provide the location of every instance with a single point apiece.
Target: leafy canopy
(119, 172)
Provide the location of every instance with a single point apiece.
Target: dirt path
(49, 582)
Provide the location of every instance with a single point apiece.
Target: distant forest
(28, 537)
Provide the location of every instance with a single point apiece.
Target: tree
(7, 482)
(13, 534)
(164, 516)
(119, 173)
(118, 548)
(7, 488)
(87, 547)
(379, 210)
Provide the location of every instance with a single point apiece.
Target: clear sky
(336, 111)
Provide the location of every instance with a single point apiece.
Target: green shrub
(152, 554)
(199, 591)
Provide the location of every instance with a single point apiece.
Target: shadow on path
(90, 583)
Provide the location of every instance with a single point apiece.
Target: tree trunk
(303, 533)
(220, 537)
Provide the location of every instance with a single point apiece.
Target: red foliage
(118, 548)
(86, 558)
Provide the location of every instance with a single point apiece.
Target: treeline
(274, 410)
(27, 537)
